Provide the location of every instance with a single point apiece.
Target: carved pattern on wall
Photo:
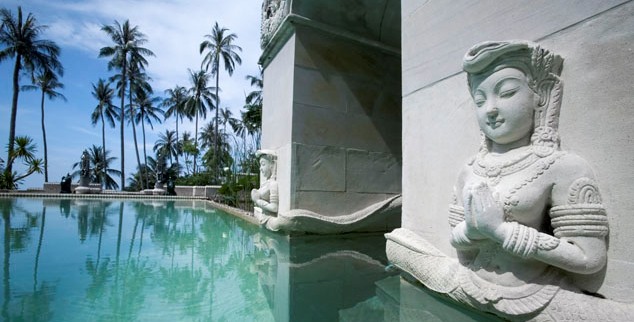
(509, 262)
(273, 13)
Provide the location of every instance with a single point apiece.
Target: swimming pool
(160, 260)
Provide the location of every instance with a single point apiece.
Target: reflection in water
(99, 260)
(313, 278)
(105, 260)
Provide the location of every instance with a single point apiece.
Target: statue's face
(266, 168)
(505, 106)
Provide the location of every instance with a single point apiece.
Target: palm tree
(167, 144)
(187, 148)
(200, 99)
(21, 38)
(220, 47)
(148, 112)
(252, 121)
(252, 117)
(175, 104)
(225, 117)
(47, 82)
(139, 89)
(24, 150)
(127, 45)
(208, 135)
(255, 97)
(207, 140)
(104, 111)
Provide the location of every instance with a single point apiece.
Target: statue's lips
(495, 123)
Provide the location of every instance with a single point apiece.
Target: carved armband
(524, 241)
(456, 215)
(584, 214)
(274, 196)
(588, 220)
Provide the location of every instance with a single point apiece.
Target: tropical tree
(104, 111)
(252, 116)
(138, 86)
(220, 47)
(252, 122)
(47, 82)
(175, 103)
(187, 148)
(167, 144)
(21, 40)
(200, 99)
(24, 149)
(255, 96)
(128, 42)
(148, 112)
(100, 168)
(226, 117)
(152, 168)
(208, 139)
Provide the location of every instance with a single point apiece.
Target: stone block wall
(440, 132)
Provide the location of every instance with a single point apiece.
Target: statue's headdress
(271, 156)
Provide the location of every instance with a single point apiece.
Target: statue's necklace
(494, 168)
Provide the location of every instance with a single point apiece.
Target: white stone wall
(596, 39)
(332, 112)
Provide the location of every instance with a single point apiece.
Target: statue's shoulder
(571, 172)
(572, 166)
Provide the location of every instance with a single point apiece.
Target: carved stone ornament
(265, 199)
(301, 221)
(84, 174)
(525, 214)
(306, 221)
(273, 13)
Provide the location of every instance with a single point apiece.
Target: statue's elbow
(590, 264)
(597, 263)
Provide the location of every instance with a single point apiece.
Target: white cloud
(174, 30)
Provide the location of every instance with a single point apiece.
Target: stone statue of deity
(161, 173)
(84, 174)
(65, 184)
(526, 216)
(265, 199)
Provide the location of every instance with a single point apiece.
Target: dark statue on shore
(65, 184)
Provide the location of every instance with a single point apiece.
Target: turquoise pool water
(157, 260)
(93, 260)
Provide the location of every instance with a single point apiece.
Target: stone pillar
(332, 107)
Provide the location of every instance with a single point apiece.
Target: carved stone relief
(273, 13)
(525, 214)
(265, 199)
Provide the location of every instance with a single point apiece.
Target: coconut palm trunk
(14, 110)
(103, 149)
(122, 118)
(176, 142)
(44, 141)
(136, 145)
(147, 181)
(196, 143)
(216, 143)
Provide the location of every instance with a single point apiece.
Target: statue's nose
(492, 111)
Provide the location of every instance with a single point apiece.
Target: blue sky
(174, 29)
